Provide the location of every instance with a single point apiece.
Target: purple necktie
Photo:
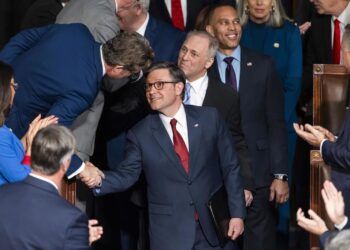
(230, 73)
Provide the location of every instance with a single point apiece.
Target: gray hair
(277, 17)
(144, 4)
(51, 147)
(339, 241)
(213, 42)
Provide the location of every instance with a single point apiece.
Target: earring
(246, 10)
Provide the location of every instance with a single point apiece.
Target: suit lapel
(165, 144)
(194, 137)
(209, 97)
(149, 33)
(246, 71)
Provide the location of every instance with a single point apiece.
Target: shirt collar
(103, 62)
(236, 53)
(44, 179)
(344, 17)
(142, 29)
(180, 117)
(198, 84)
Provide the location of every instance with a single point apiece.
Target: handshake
(91, 175)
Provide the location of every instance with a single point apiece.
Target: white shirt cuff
(78, 171)
(341, 225)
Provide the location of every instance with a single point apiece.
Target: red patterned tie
(336, 42)
(176, 14)
(179, 145)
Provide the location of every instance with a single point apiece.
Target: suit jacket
(164, 39)
(336, 154)
(159, 10)
(59, 70)
(11, 156)
(174, 196)
(41, 13)
(226, 101)
(325, 236)
(262, 111)
(34, 216)
(318, 40)
(283, 44)
(98, 15)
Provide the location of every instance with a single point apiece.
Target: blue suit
(174, 196)
(34, 216)
(11, 156)
(325, 236)
(58, 68)
(164, 39)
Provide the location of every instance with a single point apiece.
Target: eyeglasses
(157, 85)
(14, 85)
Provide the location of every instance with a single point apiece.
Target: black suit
(226, 101)
(262, 111)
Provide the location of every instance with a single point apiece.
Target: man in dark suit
(195, 58)
(162, 10)
(33, 214)
(262, 113)
(187, 154)
(60, 67)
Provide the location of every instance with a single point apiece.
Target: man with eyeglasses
(60, 68)
(187, 154)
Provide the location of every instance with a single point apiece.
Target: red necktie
(176, 14)
(336, 42)
(179, 145)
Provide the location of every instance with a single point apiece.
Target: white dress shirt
(183, 7)
(181, 125)
(198, 90)
(142, 29)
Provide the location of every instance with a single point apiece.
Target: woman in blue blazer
(14, 154)
(267, 29)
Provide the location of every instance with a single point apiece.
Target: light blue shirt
(236, 63)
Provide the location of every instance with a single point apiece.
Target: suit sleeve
(234, 123)
(292, 79)
(21, 43)
(230, 170)
(77, 235)
(276, 124)
(11, 168)
(336, 154)
(127, 173)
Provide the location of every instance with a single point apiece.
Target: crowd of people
(156, 106)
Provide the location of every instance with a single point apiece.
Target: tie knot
(336, 22)
(173, 123)
(228, 59)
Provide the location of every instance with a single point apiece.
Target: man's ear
(210, 29)
(209, 62)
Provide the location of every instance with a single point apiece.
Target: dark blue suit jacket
(284, 46)
(262, 114)
(58, 69)
(164, 39)
(325, 236)
(35, 216)
(174, 196)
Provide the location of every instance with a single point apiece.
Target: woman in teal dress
(268, 30)
(14, 153)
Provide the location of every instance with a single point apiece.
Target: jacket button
(189, 182)
(191, 203)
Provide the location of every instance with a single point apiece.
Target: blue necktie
(230, 73)
(187, 93)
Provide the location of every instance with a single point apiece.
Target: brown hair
(130, 50)
(6, 73)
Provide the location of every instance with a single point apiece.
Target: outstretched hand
(313, 225)
(91, 175)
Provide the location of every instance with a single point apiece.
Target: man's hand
(314, 225)
(91, 175)
(334, 202)
(248, 196)
(95, 232)
(279, 191)
(310, 134)
(235, 228)
(328, 134)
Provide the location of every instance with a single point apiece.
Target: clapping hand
(95, 232)
(91, 175)
(334, 202)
